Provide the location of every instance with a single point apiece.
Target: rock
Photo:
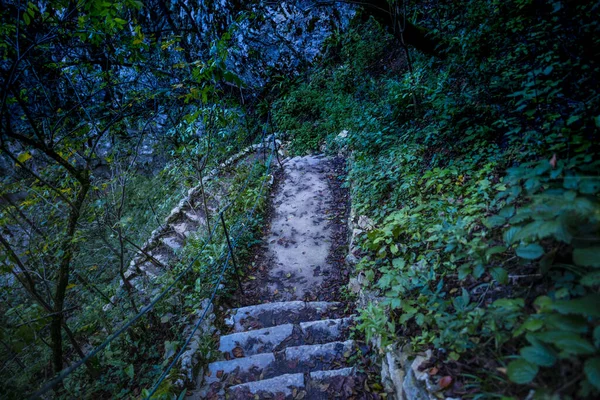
(343, 134)
(392, 375)
(365, 223)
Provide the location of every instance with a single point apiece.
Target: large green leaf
(539, 354)
(494, 221)
(588, 257)
(521, 371)
(571, 323)
(588, 306)
(591, 279)
(568, 342)
(531, 251)
(500, 275)
(592, 371)
(509, 234)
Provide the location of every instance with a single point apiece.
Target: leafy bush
(481, 172)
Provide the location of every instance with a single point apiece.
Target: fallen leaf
(445, 382)
(238, 352)
(433, 371)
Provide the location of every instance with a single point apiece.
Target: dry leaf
(445, 382)
(238, 352)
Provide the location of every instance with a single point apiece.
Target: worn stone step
(173, 241)
(285, 385)
(325, 330)
(298, 359)
(333, 384)
(271, 314)
(320, 384)
(315, 357)
(195, 215)
(246, 343)
(242, 367)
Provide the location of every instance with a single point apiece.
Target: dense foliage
(480, 171)
(110, 112)
(471, 130)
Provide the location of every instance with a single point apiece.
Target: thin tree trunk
(62, 281)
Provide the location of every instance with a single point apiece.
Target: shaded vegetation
(471, 131)
(481, 174)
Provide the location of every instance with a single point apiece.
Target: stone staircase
(296, 344)
(284, 350)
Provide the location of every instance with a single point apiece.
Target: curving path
(298, 348)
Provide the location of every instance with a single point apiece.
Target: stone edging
(189, 359)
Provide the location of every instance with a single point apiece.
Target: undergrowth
(481, 174)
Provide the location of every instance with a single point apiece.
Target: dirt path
(303, 258)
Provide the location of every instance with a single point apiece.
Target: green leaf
(588, 306)
(129, 371)
(464, 271)
(572, 119)
(522, 371)
(531, 251)
(539, 354)
(568, 342)
(494, 221)
(494, 250)
(592, 371)
(589, 186)
(510, 304)
(509, 235)
(532, 324)
(507, 212)
(398, 263)
(591, 279)
(588, 257)
(500, 275)
(24, 156)
(478, 271)
(571, 323)
(575, 346)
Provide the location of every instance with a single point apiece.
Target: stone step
(246, 343)
(297, 359)
(246, 366)
(271, 314)
(325, 330)
(265, 340)
(285, 385)
(315, 357)
(319, 385)
(333, 384)
(173, 241)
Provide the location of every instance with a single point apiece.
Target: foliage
(481, 173)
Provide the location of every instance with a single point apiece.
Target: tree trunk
(63, 276)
